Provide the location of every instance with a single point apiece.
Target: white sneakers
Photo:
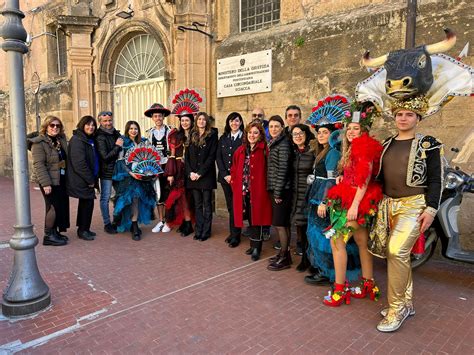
(158, 227)
(161, 227)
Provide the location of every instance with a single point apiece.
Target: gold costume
(393, 236)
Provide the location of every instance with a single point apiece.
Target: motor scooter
(445, 224)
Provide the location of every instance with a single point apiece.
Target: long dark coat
(279, 166)
(302, 167)
(202, 160)
(261, 206)
(80, 167)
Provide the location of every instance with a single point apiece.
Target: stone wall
(54, 99)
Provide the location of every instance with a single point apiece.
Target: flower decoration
(362, 113)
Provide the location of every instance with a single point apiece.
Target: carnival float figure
(326, 118)
(136, 169)
(412, 85)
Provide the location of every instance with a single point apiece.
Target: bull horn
(368, 62)
(444, 45)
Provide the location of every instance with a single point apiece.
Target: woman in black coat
(200, 170)
(279, 186)
(228, 143)
(81, 173)
(302, 167)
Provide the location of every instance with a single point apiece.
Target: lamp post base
(18, 309)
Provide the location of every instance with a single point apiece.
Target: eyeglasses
(106, 113)
(298, 134)
(55, 125)
(257, 115)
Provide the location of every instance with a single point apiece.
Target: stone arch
(119, 38)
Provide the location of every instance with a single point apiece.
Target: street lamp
(26, 291)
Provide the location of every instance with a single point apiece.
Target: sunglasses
(55, 125)
(257, 115)
(106, 113)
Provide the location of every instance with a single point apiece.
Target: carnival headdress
(186, 102)
(362, 113)
(420, 79)
(329, 111)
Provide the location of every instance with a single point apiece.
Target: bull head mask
(409, 71)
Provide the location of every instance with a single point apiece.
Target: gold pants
(404, 229)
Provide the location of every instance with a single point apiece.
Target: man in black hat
(158, 136)
(109, 144)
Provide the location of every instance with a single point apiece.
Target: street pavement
(171, 295)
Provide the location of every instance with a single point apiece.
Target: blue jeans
(105, 192)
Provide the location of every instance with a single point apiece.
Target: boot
(304, 264)
(341, 294)
(282, 263)
(187, 229)
(234, 242)
(82, 234)
(180, 228)
(366, 287)
(135, 231)
(61, 236)
(256, 250)
(317, 279)
(50, 238)
(274, 258)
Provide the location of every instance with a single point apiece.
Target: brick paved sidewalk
(167, 294)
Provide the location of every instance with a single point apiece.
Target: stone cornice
(78, 22)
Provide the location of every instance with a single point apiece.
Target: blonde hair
(47, 121)
(346, 149)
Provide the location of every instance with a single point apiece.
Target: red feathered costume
(363, 162)
(177, 201)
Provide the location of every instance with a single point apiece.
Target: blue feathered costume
(319, 250)
(127, 188)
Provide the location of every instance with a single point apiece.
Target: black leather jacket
(279, 166)
(108, 152)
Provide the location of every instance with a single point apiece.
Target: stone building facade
(89, 59)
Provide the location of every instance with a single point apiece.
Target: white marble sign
(244, 74)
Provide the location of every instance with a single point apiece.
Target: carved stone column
(79, 30)
(193, 49)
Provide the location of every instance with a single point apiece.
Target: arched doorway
(138, 79)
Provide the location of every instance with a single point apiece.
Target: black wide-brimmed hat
(157, 108)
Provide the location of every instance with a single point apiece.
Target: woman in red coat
(249, 186)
